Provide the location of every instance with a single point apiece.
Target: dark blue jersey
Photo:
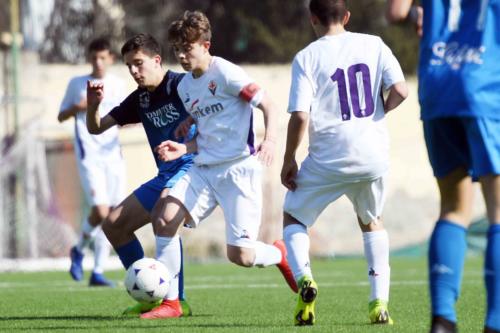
(160, 112)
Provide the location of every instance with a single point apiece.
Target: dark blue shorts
(149, 192)
(471, 143)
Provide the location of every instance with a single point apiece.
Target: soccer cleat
(284, 267)
(378, 313)
(99, 280)
(140, 308)
(186, 309)
(304, 312)
(442, 325)
(167, 309)
(76, 269)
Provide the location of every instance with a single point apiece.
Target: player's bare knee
(165, 227)
(241, 256)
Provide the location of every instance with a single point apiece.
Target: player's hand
(265, 152)
(288, 174)
(95, 93)
(182, 130)
(170, 150)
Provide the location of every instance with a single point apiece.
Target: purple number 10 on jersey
(352, 71)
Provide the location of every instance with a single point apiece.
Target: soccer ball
(147, 280)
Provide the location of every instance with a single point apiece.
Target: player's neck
(98, 75)
(203, 67)
(331, 30)
(157, 81)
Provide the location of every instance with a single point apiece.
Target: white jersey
(86, 144)
(220, 102)
(338, 80)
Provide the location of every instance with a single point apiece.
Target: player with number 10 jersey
(338, 80)
(337, 84)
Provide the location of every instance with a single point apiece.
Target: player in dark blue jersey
(459, 93)
(155, 104)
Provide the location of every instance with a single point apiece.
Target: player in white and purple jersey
(99, 160)
(155, 104)
(220, 97)
(337, 84)
(459, 94)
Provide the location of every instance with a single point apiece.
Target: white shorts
(236, 186)
(315, 192)
(103, 180)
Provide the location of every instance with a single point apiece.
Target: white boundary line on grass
(70, 286)
(53, 264)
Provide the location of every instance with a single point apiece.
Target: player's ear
(206, 45)
(157, 59)
(314, 20)
(347, 16)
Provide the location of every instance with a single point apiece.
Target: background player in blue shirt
(459, 93)
(156, 104)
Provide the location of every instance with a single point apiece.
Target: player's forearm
(68, 113)
(296, 128)
(397, 10)
(93, 120)
(270, 112)
(397, 94)
(191, 146)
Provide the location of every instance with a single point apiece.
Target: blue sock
(492, 277)
(446, 260)
(130, 252)
(181, 275)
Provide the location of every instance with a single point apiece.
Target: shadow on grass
(35, 317)
(88, 322)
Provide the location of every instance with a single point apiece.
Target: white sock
(297, 246)
(168, 252)
(102, 248)
(86, 234)
(377, 256)
(266, 255)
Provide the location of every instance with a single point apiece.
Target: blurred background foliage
(244, 31)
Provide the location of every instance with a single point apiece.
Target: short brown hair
(99, 44)
(143, 42)
(192, 27)
(328, 11)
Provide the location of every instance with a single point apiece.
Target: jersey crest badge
(212, 86)
(144, 100)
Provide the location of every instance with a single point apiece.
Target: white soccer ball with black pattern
(147, 280)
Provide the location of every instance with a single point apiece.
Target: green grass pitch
(226, 298)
